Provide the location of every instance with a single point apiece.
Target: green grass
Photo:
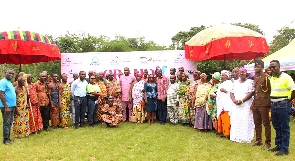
(135, 142)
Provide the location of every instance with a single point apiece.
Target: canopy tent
(286, 56)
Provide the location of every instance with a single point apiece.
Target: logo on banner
(115, 61)
(94, 61)
(145, 60)
(180, 58)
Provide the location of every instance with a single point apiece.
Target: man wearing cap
(261, 104)
(282, 92)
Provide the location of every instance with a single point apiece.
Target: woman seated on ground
(111, 113)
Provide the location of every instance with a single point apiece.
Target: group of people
(228, 103)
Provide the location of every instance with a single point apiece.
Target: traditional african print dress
(35, 115)
(65, 105)
(54, 110)
(183, 110)
(114, 89)
(21, 123)
(138, 112)
(111, 115)
(211, 107)
(191, 95)
(202, 120)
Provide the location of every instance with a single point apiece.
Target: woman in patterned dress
(35, 118)
(21, 123)
(150, 97)
(138, 112)
(211, 107)
(202, 120)
(65, 101)
(183, 110)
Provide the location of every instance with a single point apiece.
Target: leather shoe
(275, 149)
(257, 143)
(282, 152)
(266, 146)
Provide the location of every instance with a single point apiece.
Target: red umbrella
(226, 42)
(25, 47)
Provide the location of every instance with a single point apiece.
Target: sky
(156, 20)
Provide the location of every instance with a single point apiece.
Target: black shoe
(47, 130)
(82, 125)
(282, 152)
(76, 126)
(7, 142)
(275, 149)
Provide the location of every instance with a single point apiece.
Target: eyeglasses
(272, 67)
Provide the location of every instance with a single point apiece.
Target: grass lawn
(135, 142)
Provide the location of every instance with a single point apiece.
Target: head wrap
(243, 69)
(226, 72)
(216, 76)
(109, 73)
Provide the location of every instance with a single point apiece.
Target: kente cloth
(65, 105)
(55, 109)
(111, 115)
(21, 123)
(35, 115)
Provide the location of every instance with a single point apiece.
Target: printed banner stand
(115, 62)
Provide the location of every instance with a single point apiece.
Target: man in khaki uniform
(261, 105)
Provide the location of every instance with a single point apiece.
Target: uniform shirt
(9, 93)
(282, 85)
(261, 90)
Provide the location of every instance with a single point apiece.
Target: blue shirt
(9, 93)
(78, 88)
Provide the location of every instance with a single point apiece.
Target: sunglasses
(92, 78)
(272, 67)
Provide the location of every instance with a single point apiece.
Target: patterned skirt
(202, 119)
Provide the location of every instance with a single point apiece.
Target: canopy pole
(224, 66)
(20, 64)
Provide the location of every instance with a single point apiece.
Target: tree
(182, 37)
(285, 36)
(250, 26)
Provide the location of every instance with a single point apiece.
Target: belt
(80, 97)
(276, 103)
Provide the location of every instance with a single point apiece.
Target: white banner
(115, 62)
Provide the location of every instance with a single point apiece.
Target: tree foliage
(285, 36)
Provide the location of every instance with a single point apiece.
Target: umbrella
(285, 55)
(25, 47)
(226, 42)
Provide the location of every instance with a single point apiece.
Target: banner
(115, 62)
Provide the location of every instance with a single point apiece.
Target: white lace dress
(242, 124)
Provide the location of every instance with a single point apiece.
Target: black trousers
(44, 110)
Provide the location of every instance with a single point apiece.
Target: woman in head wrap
(224, 104)
(202, 120)
(183, 110)
(138, 112)
(242, 125)
(211, 102)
